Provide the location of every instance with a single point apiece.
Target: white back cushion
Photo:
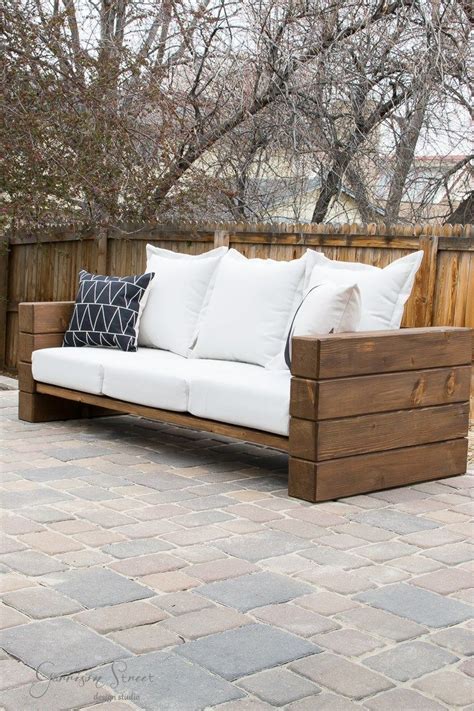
(176, 297)
(325, 308)
(384, 292)
(249, 309)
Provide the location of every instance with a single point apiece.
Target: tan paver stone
(117, 617)
(200, 554)
(14, 673)
(41, 602)
(206, 621)
(169, 582)
(297, 620)
(12, 581)
(465, 596)
(253, 513)
(180, 603)
(304, 529)
(416, 564)
(99, 537)
(221, 569)
(399, 699)
(317, 515)
(467, 667)
(146, 529)
(432, 539)
(447, 516)
(159, 511)
(338, 581)
(341, 676)
(463, 529)
(348, 642)
(325, 702)
(10, 617)
(327, 603)
(383, 552)
(20, 486)
(147, 564)
(382, 624)
(73, 526)
(124, 505)
(449, 687)
(342, 541)
(51, 697)
(192, 536)
(16, 525)
(84, 558)
(383, 574)
(248, 495)
(241, 526)
(105, 517)
(50, 542)
(287, 564)
(147, 638)
(458, 639)
(363, 530)
(445, 581)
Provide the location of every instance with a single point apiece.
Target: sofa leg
(302, 479)
(35, 407)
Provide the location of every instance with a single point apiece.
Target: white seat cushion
(149, 377)
(75, 368)
(240, 394)
(230, 392)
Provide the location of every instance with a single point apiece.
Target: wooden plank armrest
(345, 354)
(374, 410)
(45, 316)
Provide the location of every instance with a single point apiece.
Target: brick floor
(180, 556)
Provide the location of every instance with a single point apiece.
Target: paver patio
(150, 567)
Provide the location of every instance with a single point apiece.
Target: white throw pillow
(178, 293)
(249, 309)
(325, 308)
(384, 292)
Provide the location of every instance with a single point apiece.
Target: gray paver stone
(410, 660)
(246, 650)
(254, 590)
(59, 647)
(98, 587)
(279, 686)
(167, 682)
(417, 604)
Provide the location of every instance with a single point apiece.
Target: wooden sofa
(369, 411)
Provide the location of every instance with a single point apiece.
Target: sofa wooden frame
(369, 411)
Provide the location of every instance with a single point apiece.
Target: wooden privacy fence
(43, 265)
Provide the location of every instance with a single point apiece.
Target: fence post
(4, 254)
(429, 245)
(221, 238)
(102, 240)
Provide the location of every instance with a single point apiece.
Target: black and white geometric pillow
(107, 311)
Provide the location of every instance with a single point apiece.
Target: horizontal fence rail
(43, 264)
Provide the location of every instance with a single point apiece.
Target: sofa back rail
(368, 411)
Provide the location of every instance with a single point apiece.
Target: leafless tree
(125, 110)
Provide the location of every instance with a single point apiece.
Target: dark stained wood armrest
(45, 316)
(378, 409)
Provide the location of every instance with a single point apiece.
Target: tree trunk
(404, 156)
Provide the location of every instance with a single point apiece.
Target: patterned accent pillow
(107, 311)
